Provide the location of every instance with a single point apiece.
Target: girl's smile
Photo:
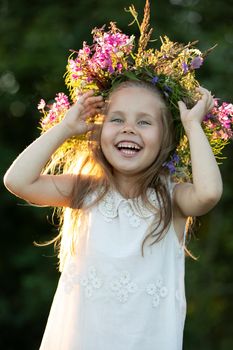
(132, 130)
(128, 148)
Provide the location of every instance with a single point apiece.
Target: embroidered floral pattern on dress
(122, 287)
(89, 282)
(157, 291)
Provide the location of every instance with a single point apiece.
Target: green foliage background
(35, 40)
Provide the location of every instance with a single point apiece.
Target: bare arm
(203, 194)
(24, 178)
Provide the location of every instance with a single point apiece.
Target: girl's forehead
(134, 96)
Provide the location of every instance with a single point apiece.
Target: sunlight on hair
(80, 166)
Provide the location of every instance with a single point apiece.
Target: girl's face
(132, 130)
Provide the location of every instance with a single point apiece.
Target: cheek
(155, 137)
(105, 139)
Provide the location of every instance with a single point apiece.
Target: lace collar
(110, 203)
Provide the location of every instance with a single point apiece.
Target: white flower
(132, 287)
(41, 104)
(163, 292)
(157, 290)
(115, 285)
(151, 288)
(123, 286)
(124, 277)
(159, 282)
(96, 283)
(122, 295)
(155, 300)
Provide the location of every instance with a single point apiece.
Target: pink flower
(62, 101)
(41, 104)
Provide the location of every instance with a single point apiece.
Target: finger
(93, 100)
(96, 108)
(91, 112)
(82, 97)
(77, 108)
(206, 94)
(207, 98)
(202, 90)
(211, 104)
(97, 104)
(182, 106)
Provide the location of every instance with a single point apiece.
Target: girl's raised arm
(203, 194)
(24, 178)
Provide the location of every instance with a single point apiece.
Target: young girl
(123, 218)
(122, 283)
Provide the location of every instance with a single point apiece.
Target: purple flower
(155, 80)
(208, 116)
(176, 158)
(185, 67)
(172, 163)
(171, 167)
(167, 88)
(196, 62)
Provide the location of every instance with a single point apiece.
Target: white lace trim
(109, 206)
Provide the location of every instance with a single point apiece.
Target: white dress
(109, 297)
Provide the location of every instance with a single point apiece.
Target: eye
(116, 120)
(144, 122)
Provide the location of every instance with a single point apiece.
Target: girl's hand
(86, 107)
(198, 112)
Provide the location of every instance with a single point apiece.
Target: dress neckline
(110, 203)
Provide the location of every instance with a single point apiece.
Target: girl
(122, 280)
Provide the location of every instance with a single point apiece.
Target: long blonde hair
(95, 174)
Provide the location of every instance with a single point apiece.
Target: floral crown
(114, 57)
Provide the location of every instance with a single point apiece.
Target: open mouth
(128, 148)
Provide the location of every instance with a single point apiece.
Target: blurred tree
(35, 43)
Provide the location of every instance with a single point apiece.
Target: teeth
(128, 145)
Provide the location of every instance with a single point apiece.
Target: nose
(128, 129)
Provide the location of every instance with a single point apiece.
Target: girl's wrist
(192, 126)
(64, 131)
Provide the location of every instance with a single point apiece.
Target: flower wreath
(115, 57)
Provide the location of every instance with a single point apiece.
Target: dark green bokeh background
(35, 40)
